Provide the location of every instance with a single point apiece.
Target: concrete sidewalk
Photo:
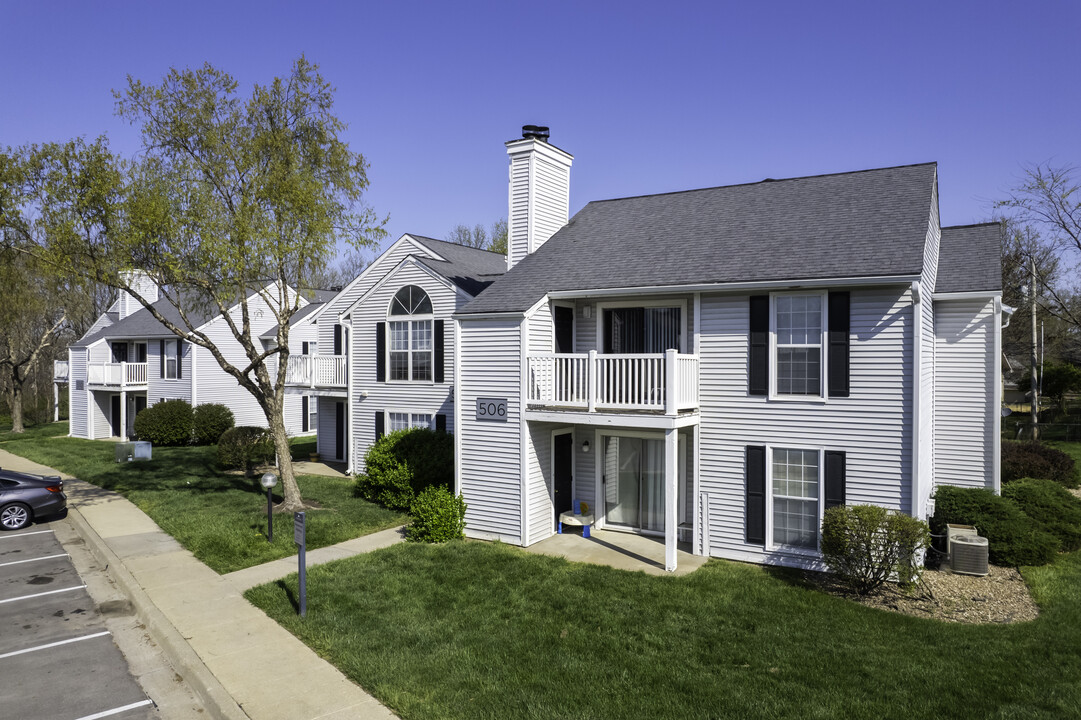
(241, 663)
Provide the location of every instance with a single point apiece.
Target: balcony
(317, 371)
(663, 383)
(120, 376)
(60, 371)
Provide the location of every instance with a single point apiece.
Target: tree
(232, 202)
(1058, 380)
(478, 237)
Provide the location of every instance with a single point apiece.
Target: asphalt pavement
(58, 660)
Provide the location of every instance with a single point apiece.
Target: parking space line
(36, 532)
(50, 592)
(53, 644)
(47, 557)
(115, 711)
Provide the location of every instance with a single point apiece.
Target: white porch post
(591, 375)
(671, 391)
(671, 497)
(56, 402)
(123, 416)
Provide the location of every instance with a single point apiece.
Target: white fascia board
(735, 286)
(408, 260)
(613, 420)
(375, 264)
(536, 306)
(974, 295)
(488, 316)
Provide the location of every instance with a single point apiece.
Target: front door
(339, 431)
(114, 415)
(562, 473)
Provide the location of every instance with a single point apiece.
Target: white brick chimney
(540, 187)
(140, 282)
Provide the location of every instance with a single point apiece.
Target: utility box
(130, 451)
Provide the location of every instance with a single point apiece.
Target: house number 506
(492, 409)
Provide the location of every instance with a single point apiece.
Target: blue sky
(649, 97)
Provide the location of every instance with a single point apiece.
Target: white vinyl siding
(539, 201)
(421, 397)
(926, 372)
(540, 520)
(100, 411)
(77, 398)
(158, 387)
(965, 377)
(490, 458)
(873, 425)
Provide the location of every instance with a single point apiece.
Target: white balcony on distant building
(60, 371)
(317, 372)
(118, 376)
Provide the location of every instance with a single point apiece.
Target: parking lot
(57, 659)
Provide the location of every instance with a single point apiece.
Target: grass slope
(474, 630)
(220, 517)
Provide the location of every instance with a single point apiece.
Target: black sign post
(299, 539)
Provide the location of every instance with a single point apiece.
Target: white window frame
(823, 395)
(412, 419)
(795, 549)
(410, 321)
(172, 354)
(600, 511)
(313, 413)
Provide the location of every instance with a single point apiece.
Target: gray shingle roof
(142, 324)
(471, 269)
(302, 313)
(856, 224)
(970, 259)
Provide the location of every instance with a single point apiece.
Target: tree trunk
(291, 499)
(15, 404)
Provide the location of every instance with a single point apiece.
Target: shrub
(1052, 506)
(168, 422)
(402, 464)
(438, 516)
(1035, 460)
(1013, 538)
(211, 420)
(244, 447)
(865, 545)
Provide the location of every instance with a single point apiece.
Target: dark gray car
(24, 496)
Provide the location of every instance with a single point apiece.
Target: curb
(215, 698)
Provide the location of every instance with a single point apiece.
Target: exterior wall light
(585, 446)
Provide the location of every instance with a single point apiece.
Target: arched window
(409, 326)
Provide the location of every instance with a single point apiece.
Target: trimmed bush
(1035, 460)
(438, 516)
(211, 420)
(1052, 506)
(1013, 537)
(866, 545)
(245, 447)
(404, 463)
(168, 422)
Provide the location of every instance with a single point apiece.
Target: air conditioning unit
(968, 554)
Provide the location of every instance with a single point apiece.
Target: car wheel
(15, 516)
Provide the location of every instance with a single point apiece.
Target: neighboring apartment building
(719, 366)
(379, 356)
(128, 361)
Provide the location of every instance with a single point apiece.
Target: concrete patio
(623, 551)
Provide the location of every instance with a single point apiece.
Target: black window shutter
(441, 423)
(758, 356)
(438, 340)
(835, 478)
(756, 494)
(179, 359)
(337, 339)
(839, 327)
(381, 352)
(379, 424)
(303, 348)
(304, 414)
(161, 358)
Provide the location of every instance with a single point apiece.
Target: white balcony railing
(121, 375)
(60, 371)
(317, 371)
(666, 382)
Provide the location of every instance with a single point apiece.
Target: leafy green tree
(1058, 380)
(231, 201)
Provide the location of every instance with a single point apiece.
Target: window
(797, 322)
(795, 492)
(313, 413)
(171, 360)
(410, 335)
(404, 421)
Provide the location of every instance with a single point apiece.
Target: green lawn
(477, 630)
(220, 517)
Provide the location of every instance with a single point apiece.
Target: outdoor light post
(268, 481)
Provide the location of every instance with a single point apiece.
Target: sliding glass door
(634, 482)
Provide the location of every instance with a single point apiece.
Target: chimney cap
(538, 132)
